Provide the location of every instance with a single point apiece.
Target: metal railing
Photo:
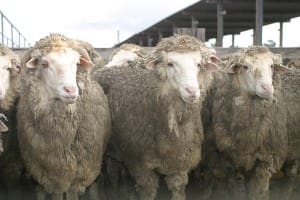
(10, 35)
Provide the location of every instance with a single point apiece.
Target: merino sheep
(63, 117)
(125, 54)
(247, 119)
(11, 165)
(155, 113)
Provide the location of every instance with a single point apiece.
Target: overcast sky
(97, 21)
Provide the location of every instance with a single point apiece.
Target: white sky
(97, 21)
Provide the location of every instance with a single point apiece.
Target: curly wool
(138, 50)
(238, 58)
(181, 44)
(62, 144)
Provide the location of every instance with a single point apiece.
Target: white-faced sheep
(248, 122)
(63, 117)
(9, 68)
(11, 165)
(125, 54)
(156, 124)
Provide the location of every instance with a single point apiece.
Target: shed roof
(240, 16)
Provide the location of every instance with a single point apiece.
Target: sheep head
(9, 66)
(55, 60)
(183, 60)
(125, 54)
(255, 67)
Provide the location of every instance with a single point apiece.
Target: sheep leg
(259, 183)
(57, 196)
(93, 191)
(147, 182)
(292, 172)
(176, 184)
(237, 186)
(40, 193)
(71, 195)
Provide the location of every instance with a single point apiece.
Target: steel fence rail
(10, 35)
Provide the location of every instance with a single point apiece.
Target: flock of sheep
(144, 121)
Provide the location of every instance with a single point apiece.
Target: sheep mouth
(264, 95)
(68, 99)
(192, 100)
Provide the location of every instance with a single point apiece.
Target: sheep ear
(151, 64)
(17, 68)
(154, 59)
(32, 63)
(86, 62)
(3, 127)
(213, 63)
(281, 68)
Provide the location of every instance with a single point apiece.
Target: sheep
(156, 126)
(291, 104)
(125, 54)
(11, 165)
(9, 66)
(62, 117)
(247, 119)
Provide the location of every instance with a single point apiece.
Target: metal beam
(220, 23)
(160, 35)
(232, 40)
(2, 28)
(280, 33)
(259, 22)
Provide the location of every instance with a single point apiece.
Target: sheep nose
(267, 87)
(191, 91)
(70, 89)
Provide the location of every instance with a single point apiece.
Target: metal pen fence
(10, 35)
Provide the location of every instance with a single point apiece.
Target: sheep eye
(245, 67)
(45, 64)
(170, 64)
(199, 65)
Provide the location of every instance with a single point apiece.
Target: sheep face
(183, 72)
(57, 72)
(256, 74)
(5, 68)
(122, 57)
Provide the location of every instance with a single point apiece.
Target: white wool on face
(259, 75)
(182, 71)
(5, 67)
(60, 73)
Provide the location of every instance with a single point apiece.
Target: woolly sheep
(63, 118)
(155, 113)
(124, 54)
(11, 165)
(247, 120)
